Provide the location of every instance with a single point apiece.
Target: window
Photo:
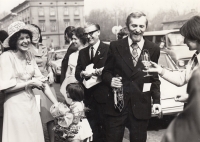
(52, 12)
(42, 26)
(77, 22)
(76, 12)
(67, 23)
(41, 12)
(66, 11)
(53, 26)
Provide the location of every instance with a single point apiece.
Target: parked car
(56, 58)
(172, 42)
(168, 90)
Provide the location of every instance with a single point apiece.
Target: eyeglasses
(90, 33)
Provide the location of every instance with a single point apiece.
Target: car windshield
(166, 61)
(175, 39)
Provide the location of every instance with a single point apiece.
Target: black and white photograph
(99, 71)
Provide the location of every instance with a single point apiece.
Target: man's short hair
(136, 14)
(92, 24)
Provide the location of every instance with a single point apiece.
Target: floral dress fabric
(22, 121)
(85, 130)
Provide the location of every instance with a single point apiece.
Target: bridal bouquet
(66, 123)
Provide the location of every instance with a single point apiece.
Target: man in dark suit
(70, 50)
(95, 96)
(123, 68)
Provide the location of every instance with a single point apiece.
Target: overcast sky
(150, 6)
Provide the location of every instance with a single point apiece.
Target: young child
(75, 95)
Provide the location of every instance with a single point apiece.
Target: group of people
(107, 81)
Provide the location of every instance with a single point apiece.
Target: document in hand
(93, 79)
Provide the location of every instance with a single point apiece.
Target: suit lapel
(87, 55)
(125, 54)
(99, 54)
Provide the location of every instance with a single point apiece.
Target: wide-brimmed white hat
(18, 26)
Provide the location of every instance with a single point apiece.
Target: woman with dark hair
(19, 75)
(185, 127)
(191, 32)
(40, 52)
(79, 41)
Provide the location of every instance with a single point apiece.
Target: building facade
(52, 16)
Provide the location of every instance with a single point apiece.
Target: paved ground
(155, 132)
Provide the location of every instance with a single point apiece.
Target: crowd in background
(108, 80)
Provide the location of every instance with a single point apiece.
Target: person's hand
(37, 83)
(156, 109)
(154, 68)
(50, 78)
(116, 82)
(181, 98)
(98, 72)
(86, 74)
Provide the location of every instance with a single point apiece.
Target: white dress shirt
(95, 46)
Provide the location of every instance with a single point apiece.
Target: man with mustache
(123, 70)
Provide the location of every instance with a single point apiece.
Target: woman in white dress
(79, 41)
(19, 73)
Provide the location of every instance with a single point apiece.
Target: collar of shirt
(96, 45)
(140, 45)
(198, 58)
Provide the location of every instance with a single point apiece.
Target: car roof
(163, 32)
(59, 50)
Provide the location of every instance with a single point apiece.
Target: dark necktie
(135, 53)
(194, 58)
(92, 54)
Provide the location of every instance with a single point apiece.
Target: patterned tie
(92, 54)
(118, 97)
(135, 53)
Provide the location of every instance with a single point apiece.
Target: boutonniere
(98, 52)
